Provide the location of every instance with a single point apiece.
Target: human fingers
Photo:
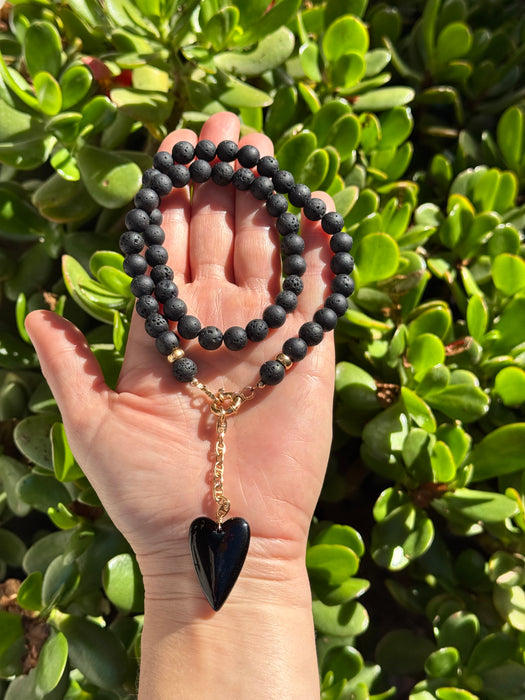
(73, 375)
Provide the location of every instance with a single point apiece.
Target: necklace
(219, 548)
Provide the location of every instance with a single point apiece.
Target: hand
(147, 447)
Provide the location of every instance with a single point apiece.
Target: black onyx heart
(218, 554)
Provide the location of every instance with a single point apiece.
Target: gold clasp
(227, 403)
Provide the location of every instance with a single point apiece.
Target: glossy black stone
(218, 555)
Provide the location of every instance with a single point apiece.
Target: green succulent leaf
(51, 663)
(110, 179)
(95, 651)
(508, 273)
(499, 452)
(43, 48)
(122, 583)
(64, 464)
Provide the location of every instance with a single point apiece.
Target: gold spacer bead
(284, 360)
(176, 355)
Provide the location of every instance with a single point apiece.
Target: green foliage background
(413, 117)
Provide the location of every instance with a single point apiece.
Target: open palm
(148, 447)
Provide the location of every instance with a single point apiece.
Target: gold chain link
(223, 405)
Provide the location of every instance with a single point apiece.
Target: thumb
(72, 372)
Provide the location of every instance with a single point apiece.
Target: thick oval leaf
(453, 41)
(109, 178)
(95, 651)
(122, 582)
(29, 594)
(377, 258)
(345, 34)
(344, 620)
(442, 662)
(477, 317)
(384, 98)
(345, 135)
(480, 506)
(508, 273)
(31, 436)
(331, 563)
(43, 48)
(12, 548)
(500, 452)
(510, 135)
(424, 352)
(418, 410)
(42, 492)
(341, 534)
(51, 663)
(270, 52)
(75, 82)
(48, 93)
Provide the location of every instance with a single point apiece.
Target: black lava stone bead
(210, 338)
(332, 222)
(222, 173)
(292, 245)
(227, 150)
(137, 220)
(287, 224)
(147, 305)
(326, 318)
(342, 263)
(261, 188)
(179, 175)
(274, 315)
(184, 369)
(134, 265)
(147, 198)
(272, 372)
(337, 302)
(276, 204)
(248, 156)
(235, 338)
(141, 285)
(205, 150)
(155, 217)
(165, 289)
(311, 332)
(167, 342)
(267, 166)
(343, 284)
(162, 184)
(314, 209)
(287, 299)
(242, 179)
(174, 308)
(341, 242)
(156, 255)
(200, 170)
(153, 235)
(256, 330)
(294, 265)
(189, 327)
(161, 272)
(299, 194)
(147, 175)
(162, 161)
(131, 242)
(283, 181)
(155, 325)
(294, 284)
(295, 348)
(183, 152)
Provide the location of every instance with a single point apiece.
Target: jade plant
(412, 116)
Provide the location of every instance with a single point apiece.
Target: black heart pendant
(218, 555)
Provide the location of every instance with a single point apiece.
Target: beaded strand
(188, 163)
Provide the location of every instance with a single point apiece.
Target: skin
(148, 448)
